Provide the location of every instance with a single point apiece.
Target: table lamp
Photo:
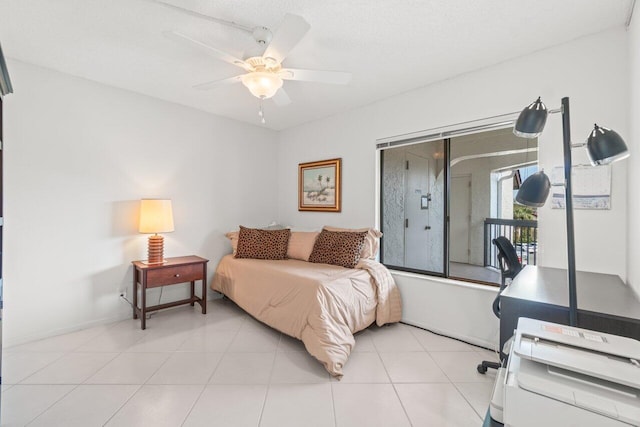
(156, 216)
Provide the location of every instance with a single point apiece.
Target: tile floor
(226, 369)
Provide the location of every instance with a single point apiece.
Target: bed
(323, 305)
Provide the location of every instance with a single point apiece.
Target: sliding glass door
(412, 183)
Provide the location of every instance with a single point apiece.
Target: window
(443, 201)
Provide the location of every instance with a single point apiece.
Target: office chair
(510, 266)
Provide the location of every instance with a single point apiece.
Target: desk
(605, 302)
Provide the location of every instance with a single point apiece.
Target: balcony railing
(523, 234)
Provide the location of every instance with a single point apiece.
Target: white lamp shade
(156, 216)
(262, 84)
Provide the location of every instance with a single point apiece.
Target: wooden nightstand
(175, 270)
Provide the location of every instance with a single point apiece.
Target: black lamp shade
(605, 146)
(534, 190)
(531, 120)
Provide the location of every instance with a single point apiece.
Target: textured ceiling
(389, 46)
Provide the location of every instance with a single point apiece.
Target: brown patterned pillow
(371, 242)
(262, 244)
(338, 248)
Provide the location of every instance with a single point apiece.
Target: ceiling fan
(264, 74)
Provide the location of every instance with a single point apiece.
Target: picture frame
(320, 186)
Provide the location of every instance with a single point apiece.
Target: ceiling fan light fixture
(261, 84)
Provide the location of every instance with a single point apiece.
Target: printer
(559, 375)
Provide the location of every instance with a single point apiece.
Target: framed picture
(319, 186)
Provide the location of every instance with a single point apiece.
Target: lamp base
(147, 262)
(156, 250)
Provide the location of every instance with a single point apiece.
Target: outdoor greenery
(525, 234)
(524, 212)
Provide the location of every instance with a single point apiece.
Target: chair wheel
(482, 369)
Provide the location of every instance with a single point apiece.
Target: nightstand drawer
(170, 275)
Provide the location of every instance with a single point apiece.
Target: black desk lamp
(604, 146)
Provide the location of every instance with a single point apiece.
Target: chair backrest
(508, 257)
(510, 266)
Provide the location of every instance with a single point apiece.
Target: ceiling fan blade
(215, 83)
(217, 53)
(331, 77)
(281, 98)
(203, 16)
(288, 35)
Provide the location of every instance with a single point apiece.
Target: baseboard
(126, 314)
(54, 332)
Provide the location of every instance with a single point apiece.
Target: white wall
(78, 156)
(598, 92)
(633, 141)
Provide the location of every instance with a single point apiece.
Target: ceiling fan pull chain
(261, 113)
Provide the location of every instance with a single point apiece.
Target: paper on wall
(591, 187)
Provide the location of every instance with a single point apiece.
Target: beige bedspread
(320, 304)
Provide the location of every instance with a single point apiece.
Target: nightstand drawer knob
(177, 275)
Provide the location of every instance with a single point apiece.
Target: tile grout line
(118, 354)
(123, 403)
(226, 349)
(393, 385)
(53, 403)
(456, 387)
(207, 383)
(186, 416)
(44, 367)
(173, 352)
(467, 400)
(333, 405)
(140, 386)
(266, 394)
(384, 366)
(391, 380)
(395, 390)
(64, 355)
(450, 381)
